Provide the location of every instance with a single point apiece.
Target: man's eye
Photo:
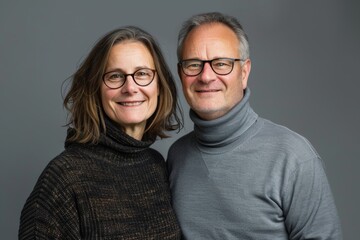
(221, 64)
(193, 65)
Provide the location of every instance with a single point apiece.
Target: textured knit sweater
(116, 189)
(244, 177)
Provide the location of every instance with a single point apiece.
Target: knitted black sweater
(116, 189)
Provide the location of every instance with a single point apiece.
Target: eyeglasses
(221, 66)
(141, 77)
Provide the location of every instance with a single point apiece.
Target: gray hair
(214, 17)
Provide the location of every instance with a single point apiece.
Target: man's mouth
(207, 90)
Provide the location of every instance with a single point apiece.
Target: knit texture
(116, 189)
(244, 177)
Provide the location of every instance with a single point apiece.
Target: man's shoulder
(286, 139)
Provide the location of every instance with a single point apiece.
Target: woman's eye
(115, 76)
(141, 73)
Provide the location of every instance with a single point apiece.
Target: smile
(131, 104)
(205, 91)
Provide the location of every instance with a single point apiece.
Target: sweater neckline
(115, 138)
(220, 134)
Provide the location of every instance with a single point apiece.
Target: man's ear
(245, 72)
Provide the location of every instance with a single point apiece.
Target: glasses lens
(192, 67)
(143, 76)
(114, 79)
(222, 66)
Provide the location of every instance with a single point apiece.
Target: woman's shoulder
(67, 159)
(62, 169)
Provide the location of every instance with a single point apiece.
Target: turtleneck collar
(227, 129)
(115, 138)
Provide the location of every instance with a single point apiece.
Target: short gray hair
(214, 17)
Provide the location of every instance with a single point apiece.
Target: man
(239, 176)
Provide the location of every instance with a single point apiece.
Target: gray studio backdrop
(305, 75)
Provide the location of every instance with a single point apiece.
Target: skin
(208, 94)
(131, 105)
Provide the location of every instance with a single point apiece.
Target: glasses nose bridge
(126, 77)
(130, 74)
(210, 64)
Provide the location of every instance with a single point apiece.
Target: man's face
(211, 95)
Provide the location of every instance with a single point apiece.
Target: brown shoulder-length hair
(86, 115)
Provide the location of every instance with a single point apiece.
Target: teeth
(130, 103)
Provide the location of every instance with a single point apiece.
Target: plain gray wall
(305, 75)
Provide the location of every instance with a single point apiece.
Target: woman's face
(130, 105)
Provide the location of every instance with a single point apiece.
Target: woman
(108, 183)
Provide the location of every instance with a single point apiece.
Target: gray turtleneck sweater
(244, 177)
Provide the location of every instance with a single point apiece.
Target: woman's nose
(129, 85)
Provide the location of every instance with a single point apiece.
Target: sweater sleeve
(50, 211)
(309, 208)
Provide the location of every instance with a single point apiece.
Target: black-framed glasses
(221, 66)
(117, 79)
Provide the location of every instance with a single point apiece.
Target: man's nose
(207, 73)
